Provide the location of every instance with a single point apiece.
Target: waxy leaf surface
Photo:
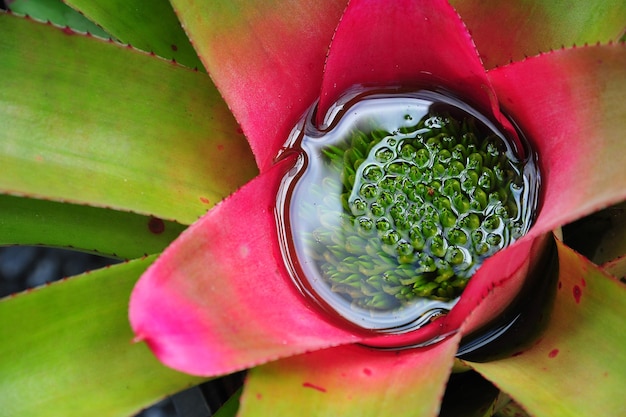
(70, 350)
(219, 299)
(58, 13)
(403, 54)
(570, 105)
(151, 26)
(351, 381)
(577, 367)
(90, 121)
(266, 58)
(509, 31)
(26, 221)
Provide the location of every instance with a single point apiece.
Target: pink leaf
(570, 104)
(408, 43)
(220, 300)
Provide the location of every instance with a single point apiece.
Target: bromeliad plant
(335, 274)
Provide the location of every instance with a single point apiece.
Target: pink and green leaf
(220, 299)
(151, 26)
(70, 350)
(496, 284)
(577, 367)
(93, 122)
(107, 232)
(407, 44)
(351, 381)
(570, 105)
(193, 298)
(266, 58)
(509, 31)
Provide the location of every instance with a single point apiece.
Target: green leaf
(612, 245)
(351, 381)
(58, 13)
(93, 122)
(511, 30)
(577, 367)
(511, 409)
(67, 350)
(25, 221)
(601, 236)
(230, 408)
(147, 25)
(617, 268)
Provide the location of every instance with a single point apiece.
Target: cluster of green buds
(421, 208)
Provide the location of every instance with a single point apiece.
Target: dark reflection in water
(523, 321)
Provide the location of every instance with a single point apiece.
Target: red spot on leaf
(560, 285)
(577, 293)
(367, 371)
(220, 147)
(68, 31)
(156, 225)
(517, 353)
(583, 265)
(174, 47)
(259, 396)
(553, 353)
(583, 282)
(205, 200)
(315, 387)
(240, 130)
